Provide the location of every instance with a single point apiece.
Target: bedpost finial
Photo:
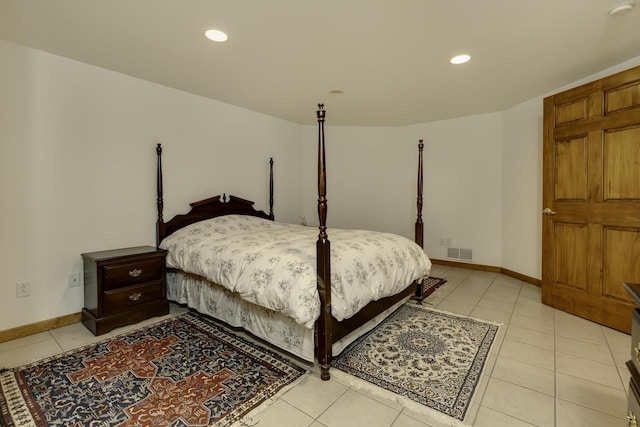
(321, 112)
(420, 144)
(159, 149)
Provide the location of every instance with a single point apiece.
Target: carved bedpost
(323, 325)
(271, 217)
(419, 234)
(419, 229)
(160, 201)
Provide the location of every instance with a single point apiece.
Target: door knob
(548, 211)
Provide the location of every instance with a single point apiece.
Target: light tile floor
(551, 368)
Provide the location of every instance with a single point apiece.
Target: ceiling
(390, 57)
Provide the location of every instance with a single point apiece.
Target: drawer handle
(135, 296)
(135, 272)
(632, 421)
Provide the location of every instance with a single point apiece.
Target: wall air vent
(466, 254)
(461, 254)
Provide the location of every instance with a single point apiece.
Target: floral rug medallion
(184, 371)
(427, 360)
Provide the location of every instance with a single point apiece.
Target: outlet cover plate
(74, 280)
(23, 289)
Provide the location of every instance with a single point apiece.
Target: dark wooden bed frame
(327, 330)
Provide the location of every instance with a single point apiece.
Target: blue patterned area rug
(184, 371)
(429, 361)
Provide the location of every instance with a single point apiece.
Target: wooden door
(591, 199)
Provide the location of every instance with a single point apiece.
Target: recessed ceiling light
(336, 92)
(216, 35)
(460, 59)
(621, 9)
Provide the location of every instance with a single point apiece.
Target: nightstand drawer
(125, 298)
(118, 276)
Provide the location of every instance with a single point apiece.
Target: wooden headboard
(205, 209)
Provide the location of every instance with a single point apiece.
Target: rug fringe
(434, 416)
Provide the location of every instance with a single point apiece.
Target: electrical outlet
(23, 289)
(74, 280)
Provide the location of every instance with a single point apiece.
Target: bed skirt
(275, 328)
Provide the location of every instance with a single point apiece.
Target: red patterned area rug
(427, 360)
(429, 286)
(184, 371)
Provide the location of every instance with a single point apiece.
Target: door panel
(627, 96)
(570, 267)
(571, 169)
(619, 264)
(572, 111)
(591, 196)
(622, 164)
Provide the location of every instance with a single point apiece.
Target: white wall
(77, 169)
(463, 185)
(372, 174)
(522, 189)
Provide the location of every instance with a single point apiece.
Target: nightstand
(123, 286)
(633, 365)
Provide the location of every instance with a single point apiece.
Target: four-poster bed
(233, 262)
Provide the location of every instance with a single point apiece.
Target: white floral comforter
(273, 264)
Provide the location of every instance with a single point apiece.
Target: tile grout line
(498, 349)
(614, 359)
(573, 376)
(332, 403)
